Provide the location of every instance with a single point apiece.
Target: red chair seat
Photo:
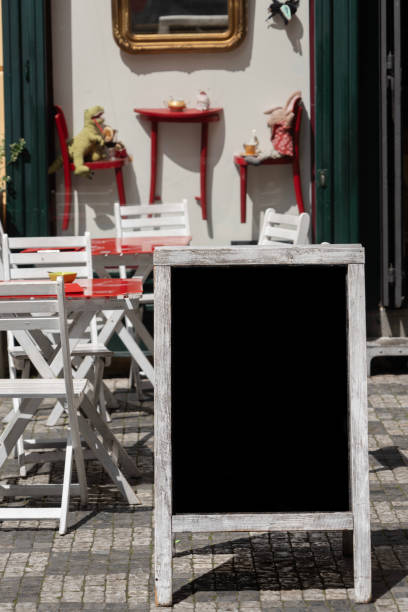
(102, 164)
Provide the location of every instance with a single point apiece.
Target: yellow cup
(176, 105)
(250, 149)
(69, 277)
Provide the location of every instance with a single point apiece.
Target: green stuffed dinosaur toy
(88, 145)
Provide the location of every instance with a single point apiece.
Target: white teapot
(202, 101)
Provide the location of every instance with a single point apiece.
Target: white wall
(271, 63)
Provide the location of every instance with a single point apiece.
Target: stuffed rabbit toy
(280, 119)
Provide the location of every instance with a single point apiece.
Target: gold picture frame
(156, 43)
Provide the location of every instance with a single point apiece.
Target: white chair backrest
(289, 229)
(16, 317)
(14, 289)
(152, 220)
(1, 253)
(57, 253)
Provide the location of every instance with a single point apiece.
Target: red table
(130, 251)
(133, 245)
(87, 288)
(188, 115)
(105, 288)
(242, 163)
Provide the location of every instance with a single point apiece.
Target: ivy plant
(15, 151)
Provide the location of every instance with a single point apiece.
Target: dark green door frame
(27, 100)
(336, 124)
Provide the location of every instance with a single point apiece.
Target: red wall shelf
(188, 115)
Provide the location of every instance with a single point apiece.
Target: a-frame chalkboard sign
(261, 396)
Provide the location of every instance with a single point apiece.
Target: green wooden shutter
(27, 79)
(324, 120)
(336, 95)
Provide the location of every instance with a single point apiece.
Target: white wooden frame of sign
(358, 519)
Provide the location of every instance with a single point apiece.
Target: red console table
(242, 163)
(188, 115)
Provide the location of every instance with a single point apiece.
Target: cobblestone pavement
(105, 561)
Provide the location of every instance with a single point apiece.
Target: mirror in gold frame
(146, 26)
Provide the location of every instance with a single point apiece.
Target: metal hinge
(322, 174)
(27, 71)
(391, 274)
(390, 62)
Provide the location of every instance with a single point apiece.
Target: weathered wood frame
(358, 519)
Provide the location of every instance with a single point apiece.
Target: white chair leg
(132, 378)
(102, 455)
(81, 472)
(20, 442)
(21, 457)
(55, 415)
(76, 212)
(99, 398)
(110, 399)
(135, 369)
(66, 487)
(138, 382)
(75, 438)
(102, 406)
(133, 374)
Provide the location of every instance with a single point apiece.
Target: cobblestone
(105, 560)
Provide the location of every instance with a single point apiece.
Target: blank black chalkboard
(259, 389)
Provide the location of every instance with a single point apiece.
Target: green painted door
(27, 87)
(347, 135)
(336, 135)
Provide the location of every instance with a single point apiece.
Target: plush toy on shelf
(116, 148)
(92, 143)
(108, 134)
(88, 145)
(280, 120)
(120, 150)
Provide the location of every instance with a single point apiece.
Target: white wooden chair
(16, 317)
(2, 232)
(152, 219)
(149, 220)
(22, 260)
(278, 228)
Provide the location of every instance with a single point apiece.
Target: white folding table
(85, 298)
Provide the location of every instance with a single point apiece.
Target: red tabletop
(126, 246)
(105, 287)
(135, 246)
(95, 288)
(187, 114)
